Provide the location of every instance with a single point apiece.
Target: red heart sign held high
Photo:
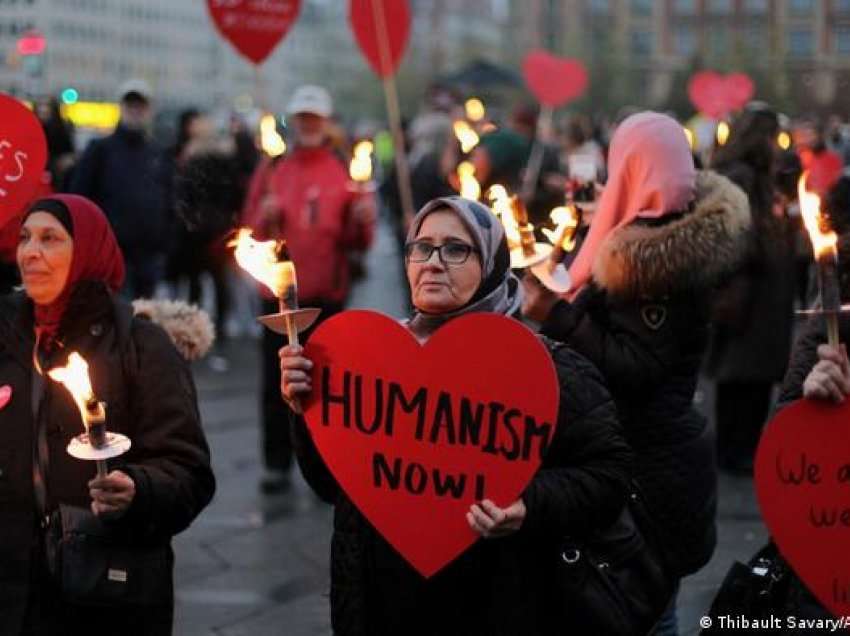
(23, 155)
(381, 28)
(254, 27)
(716, 96)
(416, 434)
(554, 81)
(803, 485)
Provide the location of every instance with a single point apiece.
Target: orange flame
(360, 169)
(467, 137)
(270, 140)
(469, 186)
(500, 201)
(823, 242)
(566, 220)
(260, 260)
(75, 377)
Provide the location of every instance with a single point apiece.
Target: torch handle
(101, 468)
(833, 339)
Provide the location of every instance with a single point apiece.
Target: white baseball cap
(135, 86)
(310, 99)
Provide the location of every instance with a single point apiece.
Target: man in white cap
(127, 174)
(305, 197)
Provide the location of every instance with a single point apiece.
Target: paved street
(258, 565)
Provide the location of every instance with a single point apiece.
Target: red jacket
(313, 200)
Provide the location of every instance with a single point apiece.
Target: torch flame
(75, 377)
(500, 201)
(689, 135)
(469, 186)
(272, 143)
(360, 169)
(467, 137)
(260, 260)
(566, 219)
(783, 140)
(474, 108)
(722, 133)
(822, 241)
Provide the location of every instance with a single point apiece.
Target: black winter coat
(150, 398)
(498, 587)
(754, 310)
(643, 320)
(129, 177)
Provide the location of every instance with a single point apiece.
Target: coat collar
(692, 251)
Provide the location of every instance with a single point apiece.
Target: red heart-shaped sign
(554, 81)
(254, 27)
(416, 434)
(23, 155)
(716, 95)
(803, 486)
(5, 395)
(381, 28)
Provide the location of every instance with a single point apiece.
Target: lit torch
(467, 137)
(270, 140)
(722, 134)
(95, 444)
(824, 243)
(469, 186)
(552, 272)
(529, 252)
(360, 168)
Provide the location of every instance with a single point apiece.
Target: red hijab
(96, 255)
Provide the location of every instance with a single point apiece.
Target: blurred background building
(640, 52)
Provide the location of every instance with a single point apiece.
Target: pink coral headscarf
(651, 173)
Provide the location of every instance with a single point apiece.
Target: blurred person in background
(753, 315)
(60, 143)
(128, 175)
(304, 197)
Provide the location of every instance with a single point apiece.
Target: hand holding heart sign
(23, 155)
(427, 448)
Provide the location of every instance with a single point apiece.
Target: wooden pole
(394, 114)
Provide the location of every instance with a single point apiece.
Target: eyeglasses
(454, 253)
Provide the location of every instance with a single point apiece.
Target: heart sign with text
(254, 27)
(803, 485)
(415, 434)
(716, 95)
(23, 156)
(381, 28)
(554, 81)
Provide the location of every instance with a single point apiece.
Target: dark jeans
(741, 411)
(274, 413)
(144, 270)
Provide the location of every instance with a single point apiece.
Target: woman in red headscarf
(71, 267)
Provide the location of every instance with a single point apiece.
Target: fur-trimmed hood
(188, 326)
(694, 251)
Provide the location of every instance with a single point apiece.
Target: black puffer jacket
(644, 322)
(498, 586)
(150, 398)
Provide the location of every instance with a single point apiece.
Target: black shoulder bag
(617, 583)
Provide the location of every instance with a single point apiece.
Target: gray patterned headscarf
(499, 291)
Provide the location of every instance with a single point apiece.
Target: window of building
(841, 6)
(800, 7)
(800, 43)
(842, 41)
(755, 39)
(755, 6)
(684, 41)
(599, 7)
(641, 43)
(685, 7)
(641, 7)
(719, 7)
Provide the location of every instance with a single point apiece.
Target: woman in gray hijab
(457, 262)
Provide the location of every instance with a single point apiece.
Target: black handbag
(765, 589)
(92, 564)
(617, 583)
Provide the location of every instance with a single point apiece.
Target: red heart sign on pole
(554, 81)
(416, 434)
(717, 95)
(382, 29)
(23, 156)
(254, 27)
(802, 477)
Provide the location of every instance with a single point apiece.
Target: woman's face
(45, 251)
(437, 287)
